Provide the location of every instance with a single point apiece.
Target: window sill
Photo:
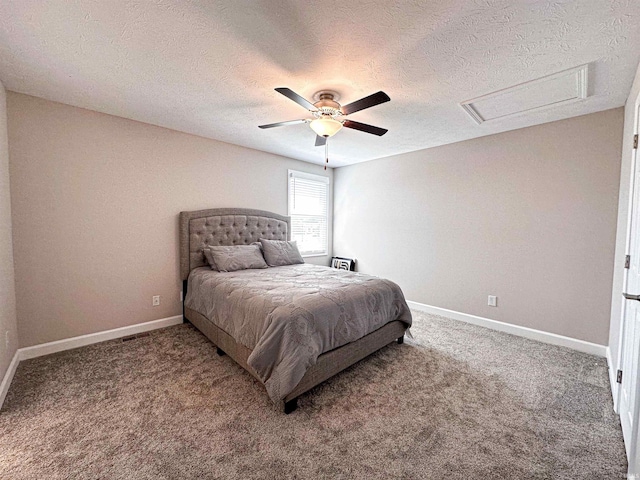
(314, 255)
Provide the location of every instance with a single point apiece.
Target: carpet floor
(456, 402)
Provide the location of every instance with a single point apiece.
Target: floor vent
(133, 337)
(550, 91)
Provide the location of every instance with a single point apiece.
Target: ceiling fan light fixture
(326, 126)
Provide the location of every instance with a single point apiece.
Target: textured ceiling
(209, 68)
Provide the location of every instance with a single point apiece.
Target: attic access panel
(553, 90)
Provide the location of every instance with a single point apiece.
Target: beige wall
(95, 210)
(623, 213)
(8, 326)
(527, 215)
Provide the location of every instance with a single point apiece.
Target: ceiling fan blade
(320, 141)
(281, 124)
(366, 102)
(287, 92)
(363, 127)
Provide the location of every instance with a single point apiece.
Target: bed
(264, 318)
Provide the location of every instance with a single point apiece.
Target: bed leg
(290, 406)
(220, 352)
(401, 340)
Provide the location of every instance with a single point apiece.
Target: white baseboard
(8, 377)
(91, 338)
(539, 335)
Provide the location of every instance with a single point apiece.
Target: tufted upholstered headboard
(225, 226)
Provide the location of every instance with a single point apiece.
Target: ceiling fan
(329, 114)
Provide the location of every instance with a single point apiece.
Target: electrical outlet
(155, 300)
(492, 301)
(6, 339)
(181, 297)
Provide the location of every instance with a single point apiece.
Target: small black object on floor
(290, 406)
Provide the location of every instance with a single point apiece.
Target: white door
(628, 407)
(628, 388)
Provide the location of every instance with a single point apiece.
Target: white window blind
(308, 209)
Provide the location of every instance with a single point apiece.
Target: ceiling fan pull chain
(326, 153)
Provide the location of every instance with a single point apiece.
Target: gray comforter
(290, 315)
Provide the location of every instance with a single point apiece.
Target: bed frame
(242, 226)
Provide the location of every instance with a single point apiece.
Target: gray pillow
(280, 252)
(209, 257)
(236, 257)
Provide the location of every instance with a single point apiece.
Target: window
(308, 209)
